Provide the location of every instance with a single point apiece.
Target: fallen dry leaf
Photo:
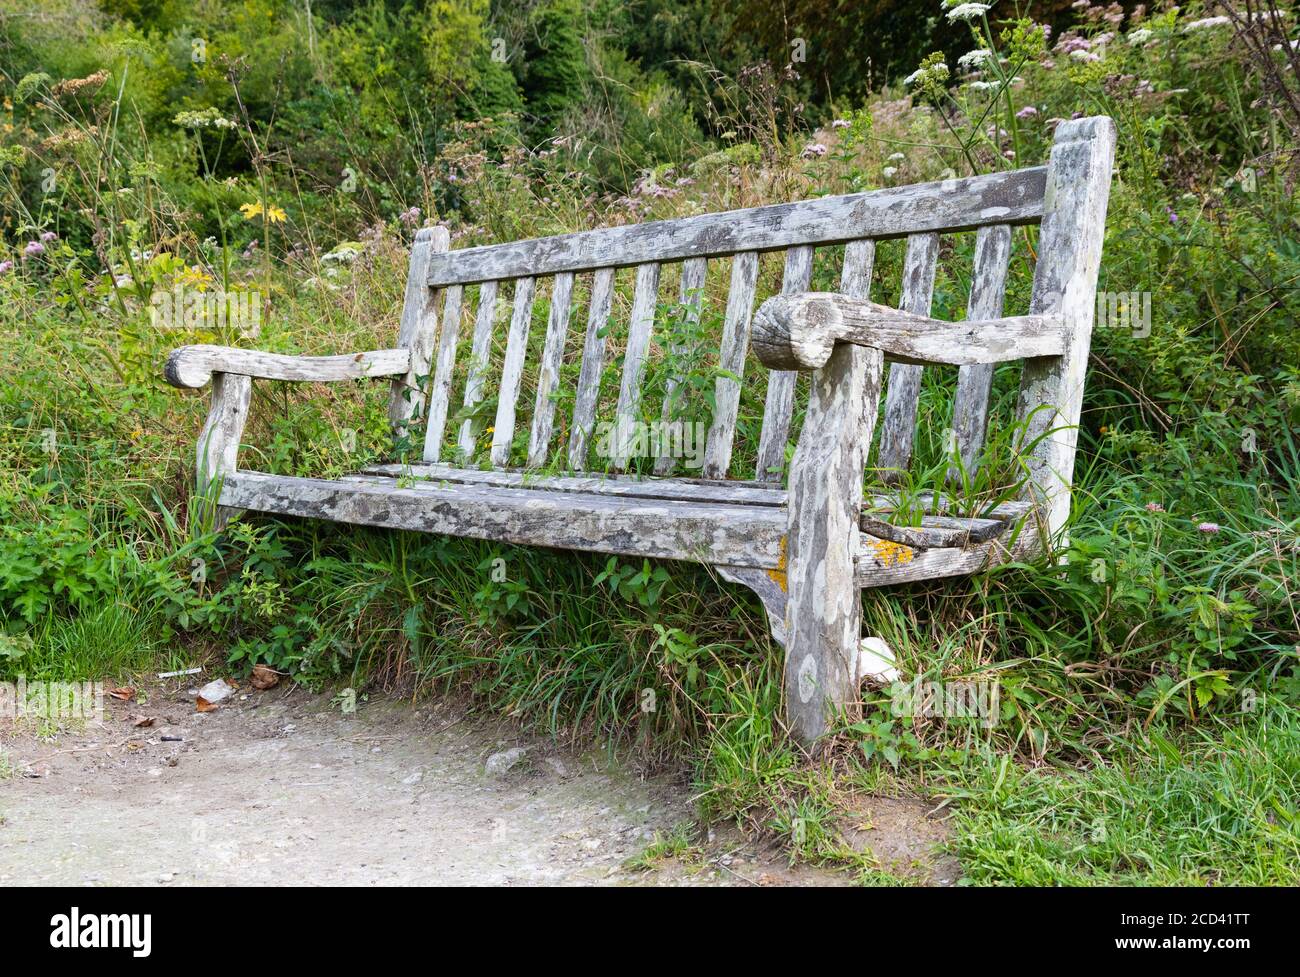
(264, 677)
(125, 693)
(139, 722)
(203, 705)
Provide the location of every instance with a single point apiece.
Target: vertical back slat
(440, 394)
(691, 297)
(638, 341)
(593, 365)
(988, 286)
(731, 364)
(548, 372)
(780, 383)
(1065, 283)
(478, 362)
(904, 378)
(855, 280)
(512, 371)
(418, 329)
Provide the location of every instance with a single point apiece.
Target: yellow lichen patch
(891, 554)
(778, 575)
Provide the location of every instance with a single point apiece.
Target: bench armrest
(193, 366)
(799, 331)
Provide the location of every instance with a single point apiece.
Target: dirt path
(280, 787)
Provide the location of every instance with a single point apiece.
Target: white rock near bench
(807, 548)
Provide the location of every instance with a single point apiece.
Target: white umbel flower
(967, 11)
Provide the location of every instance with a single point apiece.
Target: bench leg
(218, 449)
(824, 608)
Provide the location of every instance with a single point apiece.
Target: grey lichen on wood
(766, 586)
(935, 532)
(731, 365)
(194, 366)
(779, 404)
(440, 392)
(512, 371)
(480, 350)
(797, 332)
(1065, 284)
(1014, 197)
(640, 325)
(217, 456)
(899, 425)
(593, 366)
(823, 612)
(596, 484)
(548, 370)
(690, 299)
(970, 409)
(418, 330)
(735, 535)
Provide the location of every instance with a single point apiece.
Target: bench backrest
(1068, 196)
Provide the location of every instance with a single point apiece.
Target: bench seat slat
(734, 535)
(719, 533)
(613, 485)
(883, 563)
(1014, 197)
(877, 505)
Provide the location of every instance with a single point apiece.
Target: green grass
(1208, 807)
(110, 642)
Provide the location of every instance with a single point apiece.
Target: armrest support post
(218, 448)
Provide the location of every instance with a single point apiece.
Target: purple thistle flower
(33, 249)
(1208, 527)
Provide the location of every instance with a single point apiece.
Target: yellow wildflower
(272, 213)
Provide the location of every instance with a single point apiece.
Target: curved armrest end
(186, 370)
(796, 332)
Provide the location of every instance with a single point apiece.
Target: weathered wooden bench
(805, 549)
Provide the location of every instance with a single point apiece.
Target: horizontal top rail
(1014, 197)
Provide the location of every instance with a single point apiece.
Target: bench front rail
(806, 548)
